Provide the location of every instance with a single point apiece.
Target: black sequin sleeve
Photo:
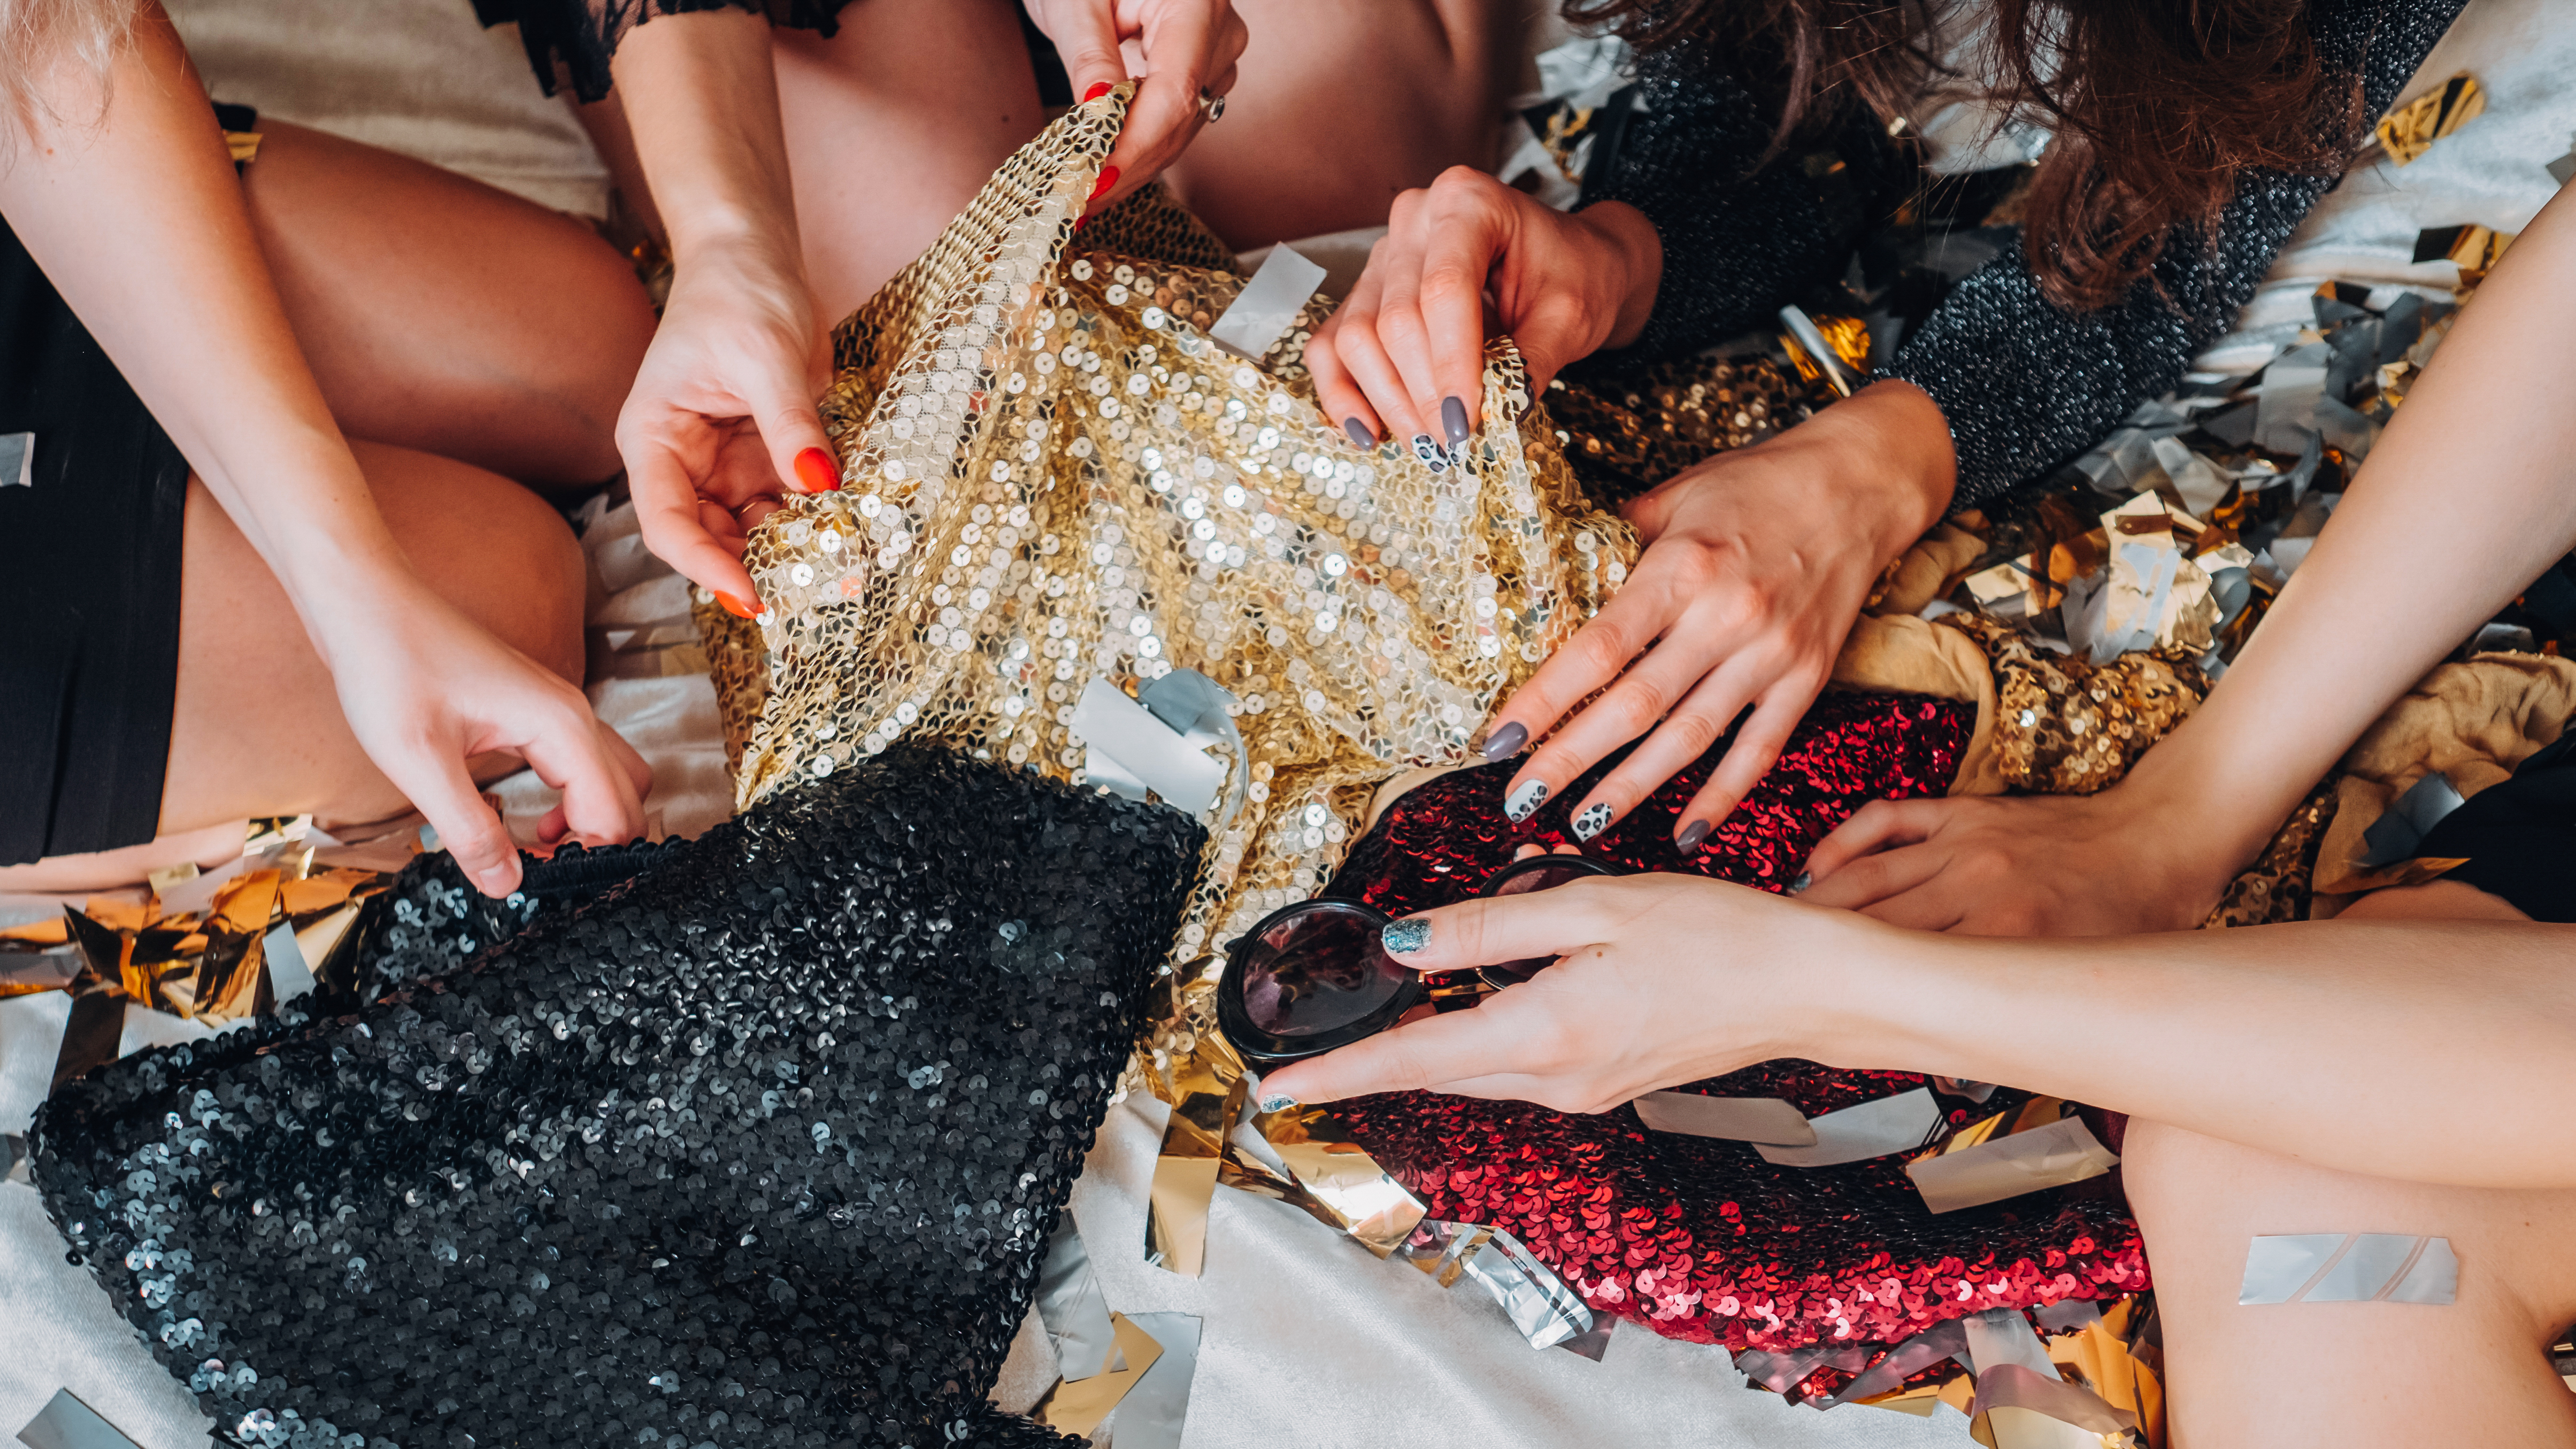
(1740, 236)
(572, 40)
(2028, 385)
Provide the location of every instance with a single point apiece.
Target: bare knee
(489, 546)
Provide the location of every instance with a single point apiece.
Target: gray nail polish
(1403, 938)
(1361, 437)
(1525, 801)
(1803, 881)
(1453, 419)
(1277, 1102)
(1506, 742)
(1691, 837)
(1590, 822)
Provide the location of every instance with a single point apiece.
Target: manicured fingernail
(1525, 801)
(1506, 742)
(1403, 938)
(1277, 1102)
(815, 472)
(1592, 820)
(1427, 450)
(1688, 842)
(1361, 437)
(1108, 178)
(739, 607)
(1453, 418)
(1098, 89)
(1803, 881)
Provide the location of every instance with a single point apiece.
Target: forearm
(702, 99)
(137, 219)
(2428, 1051)
(2469, 495)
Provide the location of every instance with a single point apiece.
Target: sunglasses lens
(1319, 971)
(1545, 877)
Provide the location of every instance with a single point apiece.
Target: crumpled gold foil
(2410, 130)
(1051, 475)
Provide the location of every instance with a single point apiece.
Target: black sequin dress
(762, 1147)
(2026, 385)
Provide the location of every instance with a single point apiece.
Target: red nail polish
(1098, 89)
(815, 471)
(737, 607)
(1108, 178)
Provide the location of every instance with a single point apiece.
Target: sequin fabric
(1740, 237)
(2067, 726)
(1701, 1239)
(1627, 430)
(1051, 476)
(2072, 377)
(762, 1147)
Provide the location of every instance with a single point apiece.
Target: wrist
(1638, 253)
(1905, 468)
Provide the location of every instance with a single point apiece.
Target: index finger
(1452, 1047)
(600, 802)
(1598, 653)
(666, 514)
(1469, 230)
(1164, 116)
(434, 779)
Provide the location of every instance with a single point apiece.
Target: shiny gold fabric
(2067, 726)
(1051, 475)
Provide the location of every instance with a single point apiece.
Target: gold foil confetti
(2410, 130)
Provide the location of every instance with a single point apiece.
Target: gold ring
(1211, 107)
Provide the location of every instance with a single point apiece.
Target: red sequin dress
(1697, 1238)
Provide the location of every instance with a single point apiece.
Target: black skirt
(92, 499)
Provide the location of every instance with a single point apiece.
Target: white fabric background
(1308, 1340)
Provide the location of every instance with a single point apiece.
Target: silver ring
(1211, 107)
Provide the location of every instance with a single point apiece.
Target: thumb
(1085, 33)
(467, 828)
(792, 430)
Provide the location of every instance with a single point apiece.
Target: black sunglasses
(1312, 977)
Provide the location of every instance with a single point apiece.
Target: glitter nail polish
(1403, 938)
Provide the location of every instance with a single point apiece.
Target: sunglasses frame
(1442, 990)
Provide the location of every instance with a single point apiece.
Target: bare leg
(443, 315)
(2474, 1372)
(893, 125)
(1343, 103)
(256, 727)
(2355, 1373)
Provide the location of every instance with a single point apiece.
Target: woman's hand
(1182, 48)
(1665, 979)
(1757, 563)
(722, 418)
(427, 690)
(1406, 350)
(2125, 861)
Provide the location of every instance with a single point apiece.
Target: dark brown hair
(2156, 105)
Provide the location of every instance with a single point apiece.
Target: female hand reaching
(2275, 1037)
(1757, 561)
(427, 691)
